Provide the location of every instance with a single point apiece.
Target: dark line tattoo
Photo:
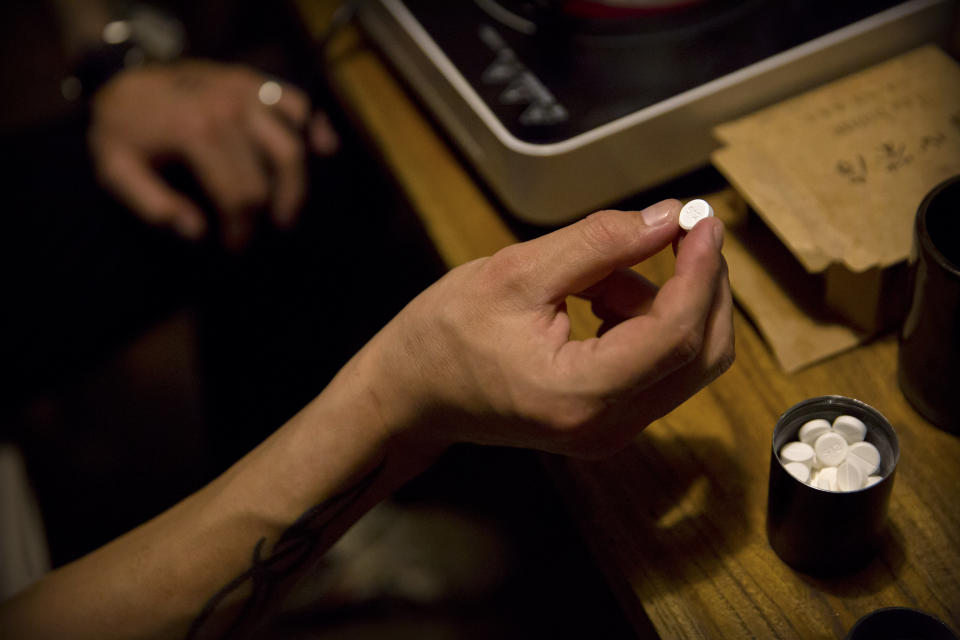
(291, 550)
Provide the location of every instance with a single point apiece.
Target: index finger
(572, 259)
(647, 348)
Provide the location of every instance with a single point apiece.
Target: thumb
(571, 259)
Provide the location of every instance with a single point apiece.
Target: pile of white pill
(832, 457)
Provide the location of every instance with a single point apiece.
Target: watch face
(160, 35)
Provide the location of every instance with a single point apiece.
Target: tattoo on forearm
(297, 544)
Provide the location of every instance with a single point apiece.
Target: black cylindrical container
(929, 359)
(827, 532)
(898, 623)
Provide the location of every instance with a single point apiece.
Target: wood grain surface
(676, 521)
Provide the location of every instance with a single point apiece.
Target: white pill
(872, 480)
(831, 449)
(864, 456)
(827, 479)
(852, 429)
(798, 470)
(693, 212)
(814, 474)
(797, 452)
(812, 430)
(849, 477)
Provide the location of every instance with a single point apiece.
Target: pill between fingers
(693, 212)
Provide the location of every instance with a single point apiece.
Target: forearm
(483, 355)
(205, 566)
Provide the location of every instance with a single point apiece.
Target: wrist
(384, 389)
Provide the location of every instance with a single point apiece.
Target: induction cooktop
(566, 106)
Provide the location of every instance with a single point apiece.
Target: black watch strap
(97, 66)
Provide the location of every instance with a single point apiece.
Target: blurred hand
(247, 156)
(484, 355)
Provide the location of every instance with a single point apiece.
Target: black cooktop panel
(549, 76)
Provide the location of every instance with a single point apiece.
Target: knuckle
(505, 261)
(604, 231)
(686, 346)
(506, 268)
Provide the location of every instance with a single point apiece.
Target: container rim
(922, 232)
(841, 403)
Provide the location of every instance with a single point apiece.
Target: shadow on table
(677, 509)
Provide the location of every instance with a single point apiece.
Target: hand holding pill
(693, 212)
(519, 377)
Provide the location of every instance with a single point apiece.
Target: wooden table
(676, 521)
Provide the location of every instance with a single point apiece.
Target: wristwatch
(145, 34)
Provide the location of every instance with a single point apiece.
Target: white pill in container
(813, 429)
(835, 454)
(865, 456)
(827, 479)
(849, 477)
(851, 428)
(831, 449)
(798, 470)
(797, 452)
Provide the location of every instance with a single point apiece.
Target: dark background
(138, 366)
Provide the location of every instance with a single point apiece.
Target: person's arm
(309, 481)
(245, 147)
(483, 355)
(247, 152)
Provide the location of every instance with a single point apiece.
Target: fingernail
(656, 214)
